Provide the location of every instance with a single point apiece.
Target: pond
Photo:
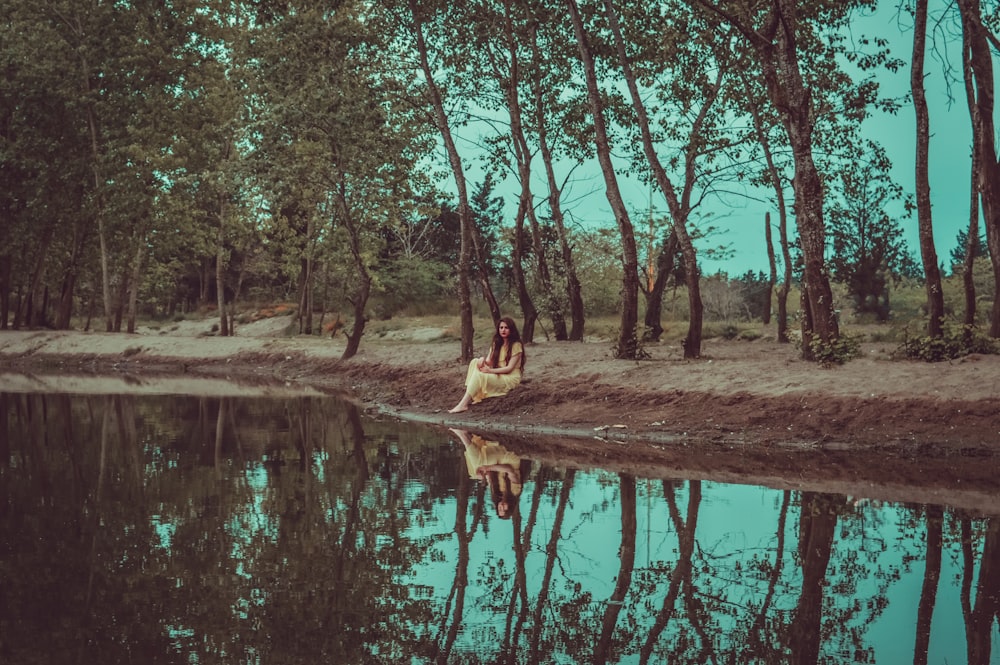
(290, 528)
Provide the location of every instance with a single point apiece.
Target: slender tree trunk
(681, 573)
(120, 298)
(99, 212)
(464, 212)
(627, 346)
(679, 206)
(934, 517)
(363, 291)
(779, 196)
(64, 312)
(574, 296)
(972, 241)
(6, 268)
(817, 527)
(772, 269)
(626, 554)
(485, 275)
(528, 310)
(932, 274)
(510, 82)
(654, 299)
(551, 554)
(984, 610)
(786, 282)
(790, 96)
(776, 46)
(205, 281)
(980, 62)
(968, 265)
(134, 281)
(32, 312)
(220, 270)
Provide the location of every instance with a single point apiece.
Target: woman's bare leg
(463, 404)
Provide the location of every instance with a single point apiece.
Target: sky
(741, 226)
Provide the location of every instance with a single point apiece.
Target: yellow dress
(484, 453)
(481, 385)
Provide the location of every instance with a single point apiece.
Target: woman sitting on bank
(499, 372)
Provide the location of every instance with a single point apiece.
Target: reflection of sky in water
(735, 523)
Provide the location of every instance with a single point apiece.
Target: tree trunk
(779, 196)
(983, 612)
(790, 97)
(528, 309)
(772, 269)
(510, 82)
(363, 291)
(977, 51)
(485, 275)
(207, 266)
(934, 516)
(786, 282)
(464, 212)
(972, 241)
(654, 299)
(133, 291)
(64, 312)
(118, 308)
(679, 206)
(776, 46)
(932, 274)
(817, 528)
(626, 555)
(573, 295)
(95, 153)
(220, 270)
(6, 268)
(32, 313)
(627, 346)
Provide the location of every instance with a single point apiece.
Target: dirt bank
(747, 409)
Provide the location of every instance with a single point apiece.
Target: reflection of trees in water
(982, 612)
(211, 530)
(151, 542)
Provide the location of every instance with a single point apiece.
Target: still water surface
(181, 529)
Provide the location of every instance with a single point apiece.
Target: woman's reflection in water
(503, 471)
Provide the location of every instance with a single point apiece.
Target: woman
(499, 372)
(503, 471)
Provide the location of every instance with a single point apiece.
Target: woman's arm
(512, 364)
(505, 469)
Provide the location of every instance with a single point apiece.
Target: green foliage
(730, 332)
(838, 352)
(409, 282)
(599, 269)
(956, 342)
(634, 350)
(959, 251)
(868, 246)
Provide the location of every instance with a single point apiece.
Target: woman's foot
(458, 409)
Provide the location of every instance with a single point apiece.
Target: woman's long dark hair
(498, 494)
(514, 336)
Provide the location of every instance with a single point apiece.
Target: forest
(349, 158)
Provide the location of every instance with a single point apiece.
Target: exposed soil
(746, 411)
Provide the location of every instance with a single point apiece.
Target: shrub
(837, 352)
(954, 343)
